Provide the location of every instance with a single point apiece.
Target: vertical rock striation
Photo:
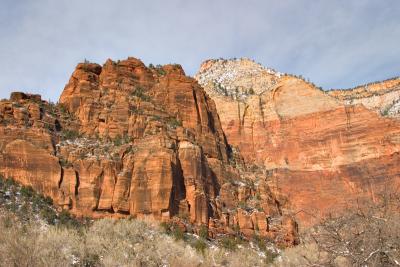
(321, 155)
(131, 140)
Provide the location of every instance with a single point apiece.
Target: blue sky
(336, 44)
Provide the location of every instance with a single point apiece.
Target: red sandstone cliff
(130, 140)
(320, 155)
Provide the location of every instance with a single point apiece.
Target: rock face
(382, 97)
(131, 140)
(169, 122)
(319, 155)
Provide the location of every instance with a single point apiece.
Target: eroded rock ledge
(131, 140)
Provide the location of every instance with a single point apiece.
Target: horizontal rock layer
(128, 140)
(382, 97)
(319, 154)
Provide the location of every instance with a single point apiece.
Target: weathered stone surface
(318, 154)
(260, 222)
(152, 182)
(107, 187)
(245, 222)
(290, 230)
(32, 166)
(68, 188)
(128, 140)
(110, 100)
(382, 97)
(174, 129)
(316, 194)
(90, 174)
(193, 168)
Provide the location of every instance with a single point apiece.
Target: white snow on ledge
(224, 75)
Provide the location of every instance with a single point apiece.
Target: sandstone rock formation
(319, 155)
(383, 97)
(131, 140)
(254, 153)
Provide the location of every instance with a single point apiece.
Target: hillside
(320, 155)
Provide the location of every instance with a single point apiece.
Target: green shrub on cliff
(140, 93)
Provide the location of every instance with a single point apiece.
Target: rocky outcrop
(319, 156)
(131, 140)
(165, 119)
(103, 98)
(382, 97)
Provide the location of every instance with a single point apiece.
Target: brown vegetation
(110, 242)
(369, 236)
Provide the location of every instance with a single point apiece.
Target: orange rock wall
(320, 156)
(146, 142)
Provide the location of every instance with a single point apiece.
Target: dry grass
(109, 242)
(33, 233)
(365, 237)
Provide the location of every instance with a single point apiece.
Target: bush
(47, 200)
(65, 163)
(260, 243)
(203, 232)
(49, 215)
(140, 92)
(62, 108)
(9, 182)
(65, 219)
(27, 191)
(229, 242)
(368, 236)
(174, 122)
(166, 227)
(173, 229)
(178, 234)
(12, 207)
(200, 246)
(69, 134)
(385, 112)
(90, 259)
(135, 110)
(242, 204)
(157, 68)
(156, 118)
(117, 140)
(105, 242)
